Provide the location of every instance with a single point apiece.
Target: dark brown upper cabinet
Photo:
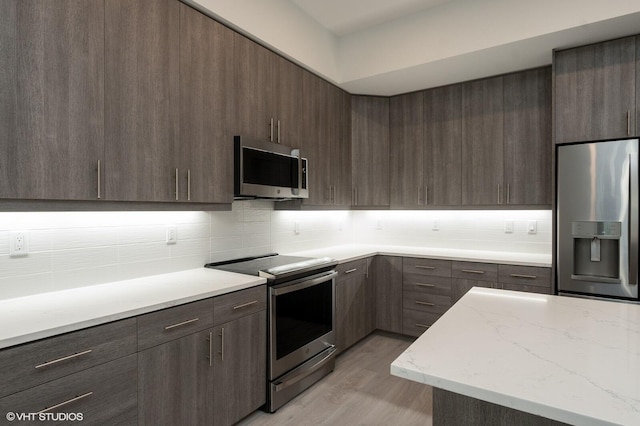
(443, 146)
(51, 99)
(141, 100)
(595, 91)
(206, 107)
(482, 142)
(406, 151)
(527, 137)
(370, 150)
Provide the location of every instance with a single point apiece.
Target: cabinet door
(406, 143)
(339, 131)
(141, 99)
(206, 109)
(175, 382)
(351, 304)
(239, 363)
(287, 111)
(527, 137)
(51, 98)
(443, 145)
(482, 139)
(315, 144)
(387, 282)
(595, 91)
(370, 150)
(253, 90)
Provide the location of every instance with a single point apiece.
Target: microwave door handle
(633, 219)
(296, 153)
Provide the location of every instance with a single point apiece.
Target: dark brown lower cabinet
(386, 275)
(239, 368)
(101, 395)
(175, 382)
(354, 303)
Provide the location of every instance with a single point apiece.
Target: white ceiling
(343, 17)
(388, 47)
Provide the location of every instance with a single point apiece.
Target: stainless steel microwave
(268, 170)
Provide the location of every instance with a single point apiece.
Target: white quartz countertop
(568, 359)
(345, 253)
(30, 318)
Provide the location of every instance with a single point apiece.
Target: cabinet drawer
(438, 268)
(527, 288)
(103, 395)
(414, 323)
(475, 271)
(460, 287)
(427, 284)
(420, 301)
(524, 275)
(354, 267)
(169, 324)
(31, 364)
(238, 304)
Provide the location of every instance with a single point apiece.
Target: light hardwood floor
(360, 391)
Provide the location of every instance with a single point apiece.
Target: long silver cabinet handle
(418, 302)
(177, 182)
(425, 267)
(426, 194)
(188, 184)
(472, 271)
(244, 305)
(64, 358)
(180, 324)
(62, 404)
(424, 285)
(350, 270)
(221, 343)
(210, 340)
(99, 186)
(499, 194)
(271, 130)
(278, 134)
(508, 194)
(422, 325)
(530, 277)
(628, 123)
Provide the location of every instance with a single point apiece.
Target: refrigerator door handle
(633, 218)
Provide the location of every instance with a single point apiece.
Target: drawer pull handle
(62, 404)
(473, 271)
(221, 344)
(422, 325)
(425, 267)
(244, 305)
(180, 324)
(55, 361)
(424, 285)
(530, 277)
(210, 340)
(351, 270)
(418, 302)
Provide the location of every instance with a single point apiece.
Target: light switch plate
(296, 227)
(172, 234)
(508, 226)
(532, 227)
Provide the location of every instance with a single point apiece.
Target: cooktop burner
(275, 267)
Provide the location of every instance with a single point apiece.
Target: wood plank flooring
(360, 391)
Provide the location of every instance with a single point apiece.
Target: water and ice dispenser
(596, 251)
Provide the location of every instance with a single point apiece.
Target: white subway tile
(73, 278)
(142, 252)
(25, 285)
(73, 238)
(84, 258)
(33, 263)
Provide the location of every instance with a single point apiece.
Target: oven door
(302, 321)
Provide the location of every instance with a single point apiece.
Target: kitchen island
(500, 356)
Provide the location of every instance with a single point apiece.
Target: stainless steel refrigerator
(597, 219)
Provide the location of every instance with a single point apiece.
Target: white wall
(73, 249)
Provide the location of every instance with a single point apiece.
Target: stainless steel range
(301, 320)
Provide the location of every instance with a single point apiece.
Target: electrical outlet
(378, 224)
(436, 225)
(172, 235)
(532, 227)
(508, 226)
(296, 227)
(18, 243)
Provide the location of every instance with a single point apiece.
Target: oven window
(302, 316)
(266, 168)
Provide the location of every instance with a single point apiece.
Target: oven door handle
(283, 385)
(303, 284)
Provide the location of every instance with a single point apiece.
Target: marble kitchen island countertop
(568, 359)
(348, 252)
(29, 318)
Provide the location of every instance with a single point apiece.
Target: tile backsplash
(74, 249)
